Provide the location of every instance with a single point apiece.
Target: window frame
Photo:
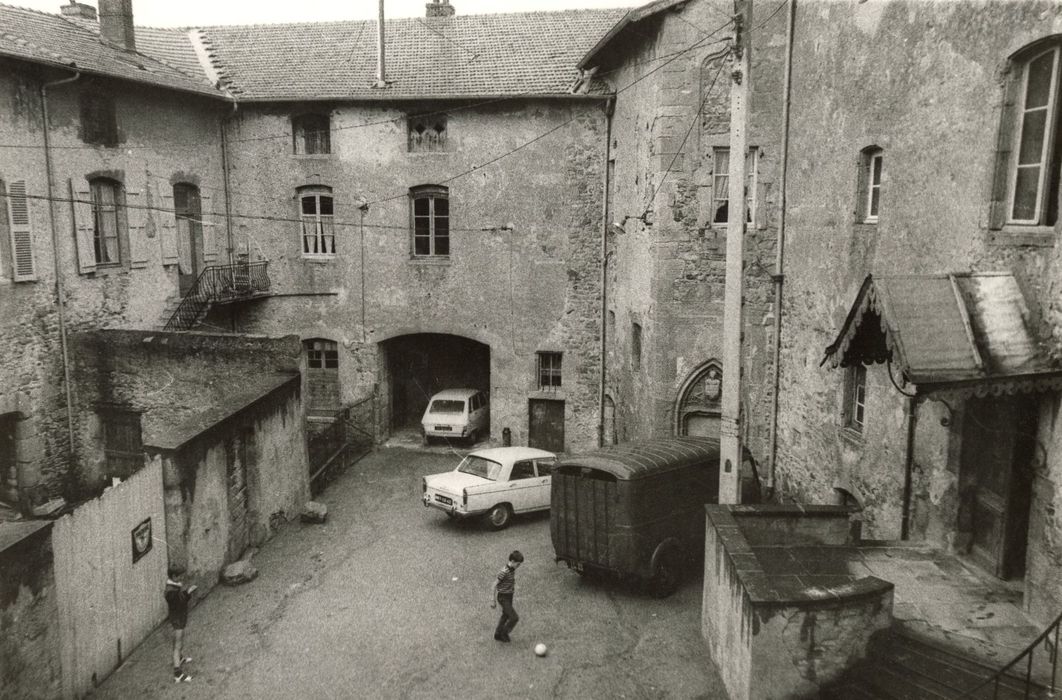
(855, 398)
(721, 182)
(98, 116)
(1049, 159)
(117, 216)
(122, 458)
(550, 370)
(431, 120)
(872, 178)
(432, 194)
(636, 345)
(311, 142)
(317, 228)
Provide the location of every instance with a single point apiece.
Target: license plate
(443, 427)
(444, 500)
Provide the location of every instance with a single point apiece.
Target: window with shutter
(23, 265)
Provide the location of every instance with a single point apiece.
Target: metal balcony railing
(219, 284)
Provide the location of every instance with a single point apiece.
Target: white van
(457, 413)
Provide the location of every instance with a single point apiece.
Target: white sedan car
(495, 482)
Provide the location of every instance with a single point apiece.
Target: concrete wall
(29, 621)
(897, 75)
(667, 274)
(163, 137)
(532, 288)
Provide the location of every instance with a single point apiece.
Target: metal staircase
(219, 284)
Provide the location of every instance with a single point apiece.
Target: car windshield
(477, 466)
(447, 406)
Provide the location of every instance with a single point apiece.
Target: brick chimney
(440, 8)
(116, 23)
(79, 10)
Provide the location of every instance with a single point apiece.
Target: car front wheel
(499, 516)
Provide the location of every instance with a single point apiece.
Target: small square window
(312, 134)
(99, 120)
(427, 133)
(549, 371)
(123, 444)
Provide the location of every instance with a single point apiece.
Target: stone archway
(698, 409)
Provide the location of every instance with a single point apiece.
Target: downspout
(908, 468)
(779, 260)
(610, 106)
(55, 252)
(226, 181)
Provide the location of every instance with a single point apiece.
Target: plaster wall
(163, 137)
(532, 288)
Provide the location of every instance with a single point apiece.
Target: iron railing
(219, 284)
(1049, 638)
(348, 437)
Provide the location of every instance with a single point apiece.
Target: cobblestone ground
(391, 600)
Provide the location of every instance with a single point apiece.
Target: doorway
(999, 437)
(188, 211)
(546, 425)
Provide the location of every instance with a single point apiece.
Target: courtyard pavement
(391, 600)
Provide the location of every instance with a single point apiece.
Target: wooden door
(998, 438)
(546, 425)
(189, 215)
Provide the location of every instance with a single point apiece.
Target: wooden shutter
(135, 216)
(210, 239)
(23, 267)
(997, 210)
(84, 227)
(168, 231)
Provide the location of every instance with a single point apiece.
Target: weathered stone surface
(314, 512)
(238, 573)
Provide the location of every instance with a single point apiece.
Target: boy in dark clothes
(177, 598)
(502, 591)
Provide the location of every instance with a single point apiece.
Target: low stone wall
(779, 635)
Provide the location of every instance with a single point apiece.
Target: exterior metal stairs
(900, 666)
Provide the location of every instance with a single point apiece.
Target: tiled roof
(460, 56)
(46, 38)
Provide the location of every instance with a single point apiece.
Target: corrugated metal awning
(967, 333)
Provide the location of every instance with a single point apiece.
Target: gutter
(59, 292)
(610, 107)
(779, 261)
(908, 468)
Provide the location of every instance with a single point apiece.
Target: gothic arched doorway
(698, 411)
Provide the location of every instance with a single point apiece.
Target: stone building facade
(906, 154)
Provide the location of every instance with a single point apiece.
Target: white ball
(540, 649)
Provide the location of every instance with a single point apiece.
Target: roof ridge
(207, 54)
(38, 48)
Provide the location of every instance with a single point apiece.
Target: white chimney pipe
(381, 70)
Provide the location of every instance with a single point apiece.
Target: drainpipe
(908, 468)
(225, 181)
(779, 277)
(55, 252)
(605, 214)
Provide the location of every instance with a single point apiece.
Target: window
(318, 223)
(636, 345)
(322, 377)
(312, 134)
(522, 470)
(549, 370)
(8, 458)
(431, 221)
(106, 221)
(122, 442)
(721, 185)
(871, 165)
(99, 122)
(1033, 178)
(545, 466)
(855, 397)
(427, 133)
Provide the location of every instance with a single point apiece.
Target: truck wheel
(499, 516)
(667, 576)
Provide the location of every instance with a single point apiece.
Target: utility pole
(730, 448)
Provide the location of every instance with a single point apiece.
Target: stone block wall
(29, 620)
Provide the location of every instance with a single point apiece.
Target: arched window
(318, 223)
(430, 214)
(699, 406)
(107, 221)
(312, 134)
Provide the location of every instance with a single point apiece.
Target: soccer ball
(540, 649)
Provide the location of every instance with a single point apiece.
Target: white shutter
(135, 216)
(23, 267)
(168, 231)
(84, 226)
(210, 238)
